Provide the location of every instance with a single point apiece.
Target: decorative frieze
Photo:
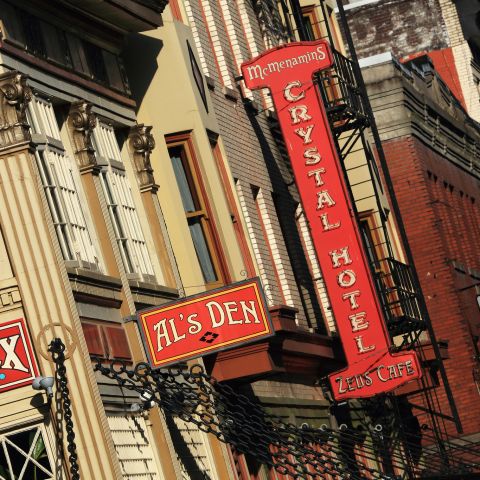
(82, 121)
(142, 143)
(10, 298)
(15, 95)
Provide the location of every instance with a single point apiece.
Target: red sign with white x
(17, 362)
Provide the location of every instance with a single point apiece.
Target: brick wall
(402, 27)
(227, 34)
(440, 210)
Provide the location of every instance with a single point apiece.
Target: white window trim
(64, 196)
(121, 206)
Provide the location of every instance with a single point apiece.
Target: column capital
(141, 144)
(15, 95)
(82, 121)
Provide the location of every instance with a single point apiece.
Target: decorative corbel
(82, 121)
(15, 95)
(142, 143)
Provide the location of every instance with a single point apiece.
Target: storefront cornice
(291, 350)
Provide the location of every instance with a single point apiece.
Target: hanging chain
(299, 452)
(57, 349)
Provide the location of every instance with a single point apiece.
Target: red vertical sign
(287, 71)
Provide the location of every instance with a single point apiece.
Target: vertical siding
(134, 451)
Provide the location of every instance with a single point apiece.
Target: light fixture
(44, 383)
(148, 402)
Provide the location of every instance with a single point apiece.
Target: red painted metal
(18, 366)
(206, 323)
(288, 72)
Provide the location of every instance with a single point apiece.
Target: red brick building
(430, 144)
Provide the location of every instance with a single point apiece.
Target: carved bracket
(82, 121)
(142, 143)
(15, 95)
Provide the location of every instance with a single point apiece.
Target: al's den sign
(205, 323)
(288, 72)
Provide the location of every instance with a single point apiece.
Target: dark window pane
(115, 78)
(56, 44)
(11, 24)
(184, 180)
(4, 469)
(95, 61)
(33, 34)
(79, 60)
(17, 459)
(23, 440)
(201, 249)
(308, 27)
(369, 243)
(39, 453)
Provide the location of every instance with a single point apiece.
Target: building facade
(443, 29)
(427, 156)
(136, 168)
(83, 243)
(233, 135)
(441, 68)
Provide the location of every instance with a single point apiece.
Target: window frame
(62, 187)
(47, 441)
(123, 212)
(309, 12)
(204, 213)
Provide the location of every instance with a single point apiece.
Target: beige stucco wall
(172, 104)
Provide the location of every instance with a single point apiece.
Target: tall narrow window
(60, 181)
(311, 24)
(194, 205)
(366, 229)
(118, 195)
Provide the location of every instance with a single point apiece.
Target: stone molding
(141, 144)
(82, 121)
(15, 95)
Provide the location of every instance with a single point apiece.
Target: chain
(298, 452)
(57, 349)
(301, 453)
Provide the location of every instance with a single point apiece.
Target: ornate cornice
(142, 143)
(15, 95)
(82, 121)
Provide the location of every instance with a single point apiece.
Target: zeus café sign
(288, 72)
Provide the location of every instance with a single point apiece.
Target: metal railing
(399, 297)
(341, 95)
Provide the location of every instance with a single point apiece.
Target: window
(195, 207)
(32, 30)
(118, 195)
(24, 455)
(50, 42)
(106, 340)
(95, 61)
(311, 24)
(366, 225)
(56, 45)
(60, 181)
